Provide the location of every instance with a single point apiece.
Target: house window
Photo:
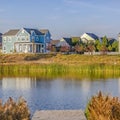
(4, 48)
(4, 39)
(23, 39)
(18, 39)
(9, 39)
(37, 38)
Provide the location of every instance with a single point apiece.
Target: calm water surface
(56, 93)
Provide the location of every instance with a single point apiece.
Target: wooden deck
(59, 115)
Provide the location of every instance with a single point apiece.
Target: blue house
(25, 40)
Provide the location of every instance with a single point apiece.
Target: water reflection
(56, 93)
(18, 83)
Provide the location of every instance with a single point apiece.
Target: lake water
(42, 94)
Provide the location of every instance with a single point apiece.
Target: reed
(60, 70)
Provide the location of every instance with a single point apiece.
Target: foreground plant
(103, 107)
(12, 110)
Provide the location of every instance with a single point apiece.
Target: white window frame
(9, 39)
(5, 38)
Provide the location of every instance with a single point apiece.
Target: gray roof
(44, 31)
(68, 40)
(54, 42)
(29, 30)
(93, 36)
(11, 32)
(111, 40)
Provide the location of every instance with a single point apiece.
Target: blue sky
(64, 18)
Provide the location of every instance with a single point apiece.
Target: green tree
(97, 45)
(75, 40)
(110, 48)
(115, 46)
(104, 45)
(105, 41)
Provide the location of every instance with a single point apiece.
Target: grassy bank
(58, 70)
(52, 65)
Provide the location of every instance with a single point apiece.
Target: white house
(89, 37)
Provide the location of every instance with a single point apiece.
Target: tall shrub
(103, 107)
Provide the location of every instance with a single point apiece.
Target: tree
(97, 45)
(115, 46)
(105, 41)
(79, 48)
(64, 48)
(75, 40)
(103, 49)
(104, 45)
(110, 48)
(51, 48)
(90, 47)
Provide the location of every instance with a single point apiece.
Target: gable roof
(11, 32)
(93, 36)
(54, 42)
(68, 40)
(111, 40)
(44, 31)
(29, 30)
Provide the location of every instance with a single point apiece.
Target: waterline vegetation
(59, 65)
(57, 70)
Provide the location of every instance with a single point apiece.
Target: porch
(21, 47)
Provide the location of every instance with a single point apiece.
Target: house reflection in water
(18, 83)
(86, 86)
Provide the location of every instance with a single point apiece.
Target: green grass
(58, 70)
(59, 65)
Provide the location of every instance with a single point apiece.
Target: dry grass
(72, 59)
(12, 110)
(103, 107)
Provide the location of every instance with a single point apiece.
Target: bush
(12, 110)
(103, 107)
(31, 57)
